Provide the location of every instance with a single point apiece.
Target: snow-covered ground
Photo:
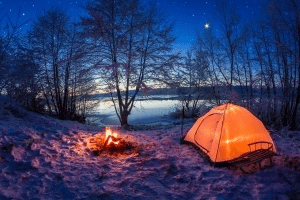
(45, 158)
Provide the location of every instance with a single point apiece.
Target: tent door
(205, 133)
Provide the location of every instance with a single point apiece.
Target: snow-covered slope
(45, 158)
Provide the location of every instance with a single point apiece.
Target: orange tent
(227, 132)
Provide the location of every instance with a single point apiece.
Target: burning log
(111, 139)
(111, 143)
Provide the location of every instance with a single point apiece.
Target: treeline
(45, 68)
(124, 47)
(261, 53)
(58, 64)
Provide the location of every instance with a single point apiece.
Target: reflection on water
(144, 112)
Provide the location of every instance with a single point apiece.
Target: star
(206, 25)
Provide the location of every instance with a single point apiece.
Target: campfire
(111, 138)
(112, 142)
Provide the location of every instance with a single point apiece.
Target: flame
(108, 133)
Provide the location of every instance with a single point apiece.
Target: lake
(144, 112)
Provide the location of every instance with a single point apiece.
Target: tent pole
(182, 118)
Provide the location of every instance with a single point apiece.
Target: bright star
(206, 25)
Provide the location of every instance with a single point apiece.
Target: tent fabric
(225, 132)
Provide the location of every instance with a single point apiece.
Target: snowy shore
(45, 158)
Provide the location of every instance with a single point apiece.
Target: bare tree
(8, 44)
(58, 50)
(23, 84)
(193, 79)
(232, 34)
(135, 42)
(210, 47)
(285, 18)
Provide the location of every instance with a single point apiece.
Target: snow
(45, 158)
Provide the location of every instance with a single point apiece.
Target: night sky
(189, 15)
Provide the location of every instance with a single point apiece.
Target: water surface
(144, 112)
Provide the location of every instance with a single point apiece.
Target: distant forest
(124, 48)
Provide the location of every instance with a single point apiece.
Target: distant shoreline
(177, 94)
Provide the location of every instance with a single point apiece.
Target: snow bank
(44, 158)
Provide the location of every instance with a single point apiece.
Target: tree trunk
(124, 118)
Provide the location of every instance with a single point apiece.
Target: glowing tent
(228, 132)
